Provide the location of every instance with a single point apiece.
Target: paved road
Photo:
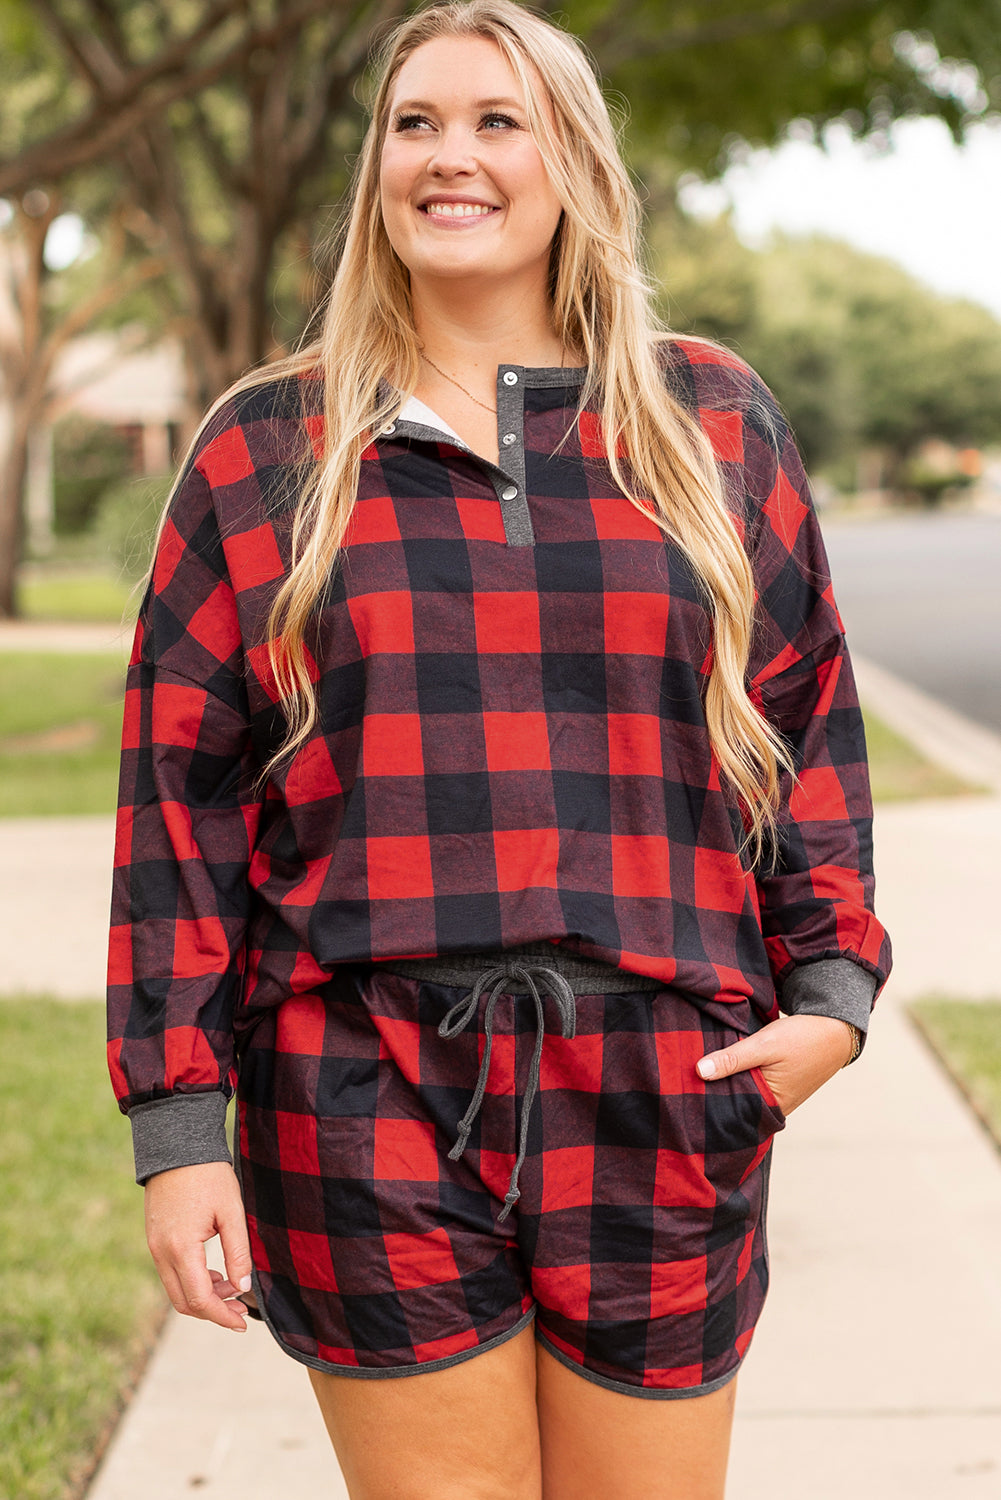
(920, 595)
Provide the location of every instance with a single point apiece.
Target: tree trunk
(13, 477)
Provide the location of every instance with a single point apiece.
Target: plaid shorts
(602, 1188)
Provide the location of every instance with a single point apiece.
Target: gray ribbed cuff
(184, 1130)
(835, 987)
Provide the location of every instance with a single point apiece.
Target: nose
(454, 153)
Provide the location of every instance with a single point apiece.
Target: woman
(478, 764)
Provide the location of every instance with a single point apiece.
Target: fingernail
(245, 1283)
(705, 1067)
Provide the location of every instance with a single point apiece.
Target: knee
(471, 1484)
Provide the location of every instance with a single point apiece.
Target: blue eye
(408, 122)
(504, 121)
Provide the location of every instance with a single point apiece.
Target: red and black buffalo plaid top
(511, 744)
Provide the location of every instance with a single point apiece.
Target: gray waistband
(543, 971)
(585, 976)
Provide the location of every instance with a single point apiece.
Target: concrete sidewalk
(875, 1371)
(71, 636)
(55, 897)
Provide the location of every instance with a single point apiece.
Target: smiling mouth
(458, 210)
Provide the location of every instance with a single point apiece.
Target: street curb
(947, 737)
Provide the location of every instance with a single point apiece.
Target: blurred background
(822, 181)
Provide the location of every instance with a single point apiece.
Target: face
(464, 190)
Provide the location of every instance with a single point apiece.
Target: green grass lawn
(60, 723)
(60, 732)
(899, 772)
(80, 1303)
(93, 595)
(966, 1035)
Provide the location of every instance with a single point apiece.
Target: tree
(718, 76)
(904, 364)
(210, 119)
(35, 327)
(858, 351)
(229, 124)
(233, 119)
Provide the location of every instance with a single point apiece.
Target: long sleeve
(828, 952)
(188, 811)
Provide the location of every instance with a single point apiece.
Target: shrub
(127, 521)
(87, 457)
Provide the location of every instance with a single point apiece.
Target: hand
(184, 1208)
(796, 1054)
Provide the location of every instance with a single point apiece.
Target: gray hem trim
(835, 987)
(387, 1372)
(647, 1392)
(182, 1130)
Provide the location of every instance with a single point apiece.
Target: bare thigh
(469, 1432)
(597, 1441)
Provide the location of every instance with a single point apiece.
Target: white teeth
(459, 210)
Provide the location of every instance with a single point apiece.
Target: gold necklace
(491, 409)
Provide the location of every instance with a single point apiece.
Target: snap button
(509, 492)
(508, 439)
(510, 378)
(388, 431)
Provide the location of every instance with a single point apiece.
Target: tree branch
(114, 118)
(231, 179)
(108, 21)
(84, 312)
(345, 60)
(726, 29)
(78, 45)
(153, 166)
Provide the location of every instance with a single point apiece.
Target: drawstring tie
(459, 1017)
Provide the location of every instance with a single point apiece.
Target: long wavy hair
(368, 355)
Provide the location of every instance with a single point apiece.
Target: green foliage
(909, 364)
(929, 484)
(699, 77)
(79, 1299)
(858, 351)
(127, 522)
(88, 457)
(39, 94)
(705, 77)
(237, 155)
(60, 733)
(709, 279)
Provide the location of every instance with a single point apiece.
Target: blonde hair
(601, 305)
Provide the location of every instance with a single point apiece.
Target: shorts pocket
(767, 1097)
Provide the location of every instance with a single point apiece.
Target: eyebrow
(479, 104)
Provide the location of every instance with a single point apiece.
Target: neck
(471, 329)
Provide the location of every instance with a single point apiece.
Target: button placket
(510, 481)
